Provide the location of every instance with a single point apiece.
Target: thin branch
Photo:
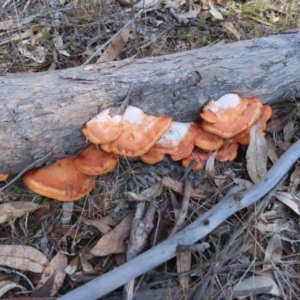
(114, 36)
(230, 204)
(184, 208)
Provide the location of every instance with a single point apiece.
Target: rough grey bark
(42, 114)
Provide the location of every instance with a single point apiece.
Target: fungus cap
(3, 176)
(139, 133)
(208, 141)
(197, 159)
(177, 141)
(227, 152)
(243, 138)
(95, 161)
(103, 128)
(60, 181)
(230, 115)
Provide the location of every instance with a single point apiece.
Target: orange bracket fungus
(196, 159)
(103, 128)
(230, 115)
(243, 138)
(3, 177)
(60, 181)
(227, 152)
(208, 141)
(135, 134)
(177, 141)
(139, 133)
(95, 161)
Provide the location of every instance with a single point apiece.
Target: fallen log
(41, 115)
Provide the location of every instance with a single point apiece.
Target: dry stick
(128, 290)
(140, 230)
(166, 250)
(114, 36)
(184, 208)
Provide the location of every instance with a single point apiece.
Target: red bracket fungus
(230, 115)
(95, 161)
(139, 133)
(60, 181)
(103, 128)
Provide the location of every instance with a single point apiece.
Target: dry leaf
(67, 209)
(37, 53)
(85, 256)
(52, 278)
(255, 285)
(70, 231)
(12, 210)
(22, 258)
(178, 187)
(246, 184)
(294, 179)
(115, 47)
(59, 44)
(206, 4)
(271, 150)
(288, 131)
(292, 201)
(7, 285)
(276, 125)
(275, 20)
(231, 28)
(215, 13)
(6, 24)
(184, 261)
(259, 20)
(113, 240)
(283, 145)
(257, 155)
(154, 191)
(189, 14)
(145, 3)
(277, 226)
(273, 253)
(99, 224)
(135, 197)
(210, 166)
(164, 4)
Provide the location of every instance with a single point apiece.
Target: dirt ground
(252, 255)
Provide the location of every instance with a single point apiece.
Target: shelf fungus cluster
(226, 124)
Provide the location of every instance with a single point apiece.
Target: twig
(128, 290)
(18, 273)
(184, 208)
(34, 164)
(114, 36)
(166, 250)
(120, 110)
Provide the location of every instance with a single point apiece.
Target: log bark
(41, 115)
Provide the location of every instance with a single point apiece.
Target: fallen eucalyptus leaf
(23, 258)
(113, 240)
(12, 210)
(257, 155)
